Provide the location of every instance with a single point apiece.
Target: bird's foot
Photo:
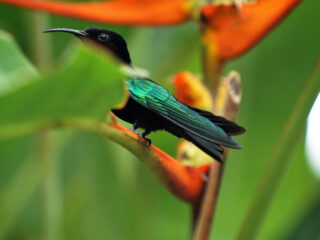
(134, 130)
(144, 139)
(148, 140)
(134, 127)
(142, 136)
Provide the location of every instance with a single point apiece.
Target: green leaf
(89, 86)
(15, 70)
(280, 160)
(308, 225)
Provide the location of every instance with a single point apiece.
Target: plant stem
(205, 211)
(40, 47)
(278, 163)
(183, 181)
(230, 95)
(49, 167)
(16, 194)
(212, 64)
(47, 161)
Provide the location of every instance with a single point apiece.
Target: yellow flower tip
(189, 155)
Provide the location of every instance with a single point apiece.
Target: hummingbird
(152, 107)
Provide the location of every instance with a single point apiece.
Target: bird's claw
(146, 140)
(142, 137)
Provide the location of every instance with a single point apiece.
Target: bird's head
(106, 39)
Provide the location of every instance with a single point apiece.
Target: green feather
(160, 101)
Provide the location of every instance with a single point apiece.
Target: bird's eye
(103, 37)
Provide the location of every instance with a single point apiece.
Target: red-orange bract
(185, 182)
(237, 30)
(126, 12)
(190, 90)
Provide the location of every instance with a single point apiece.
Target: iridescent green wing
(160, 101)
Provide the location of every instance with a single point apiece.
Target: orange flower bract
(237, 30)
(190, 90)
(185, 182)
(126, 12)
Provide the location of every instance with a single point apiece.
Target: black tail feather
(231, 128)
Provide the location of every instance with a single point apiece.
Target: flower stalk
(229, 98)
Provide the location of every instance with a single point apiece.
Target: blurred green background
(91, 188)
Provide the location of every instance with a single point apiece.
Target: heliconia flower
(190, 90)
(127, 12)
(185, 182)
(232, 31)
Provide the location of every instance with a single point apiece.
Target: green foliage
(13, 66)
(281, 157)
(87, 88)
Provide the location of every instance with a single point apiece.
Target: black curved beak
(77, 33)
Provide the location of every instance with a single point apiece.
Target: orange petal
(237, 30)
(190, 90)
(127, 12)
(183, 181)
